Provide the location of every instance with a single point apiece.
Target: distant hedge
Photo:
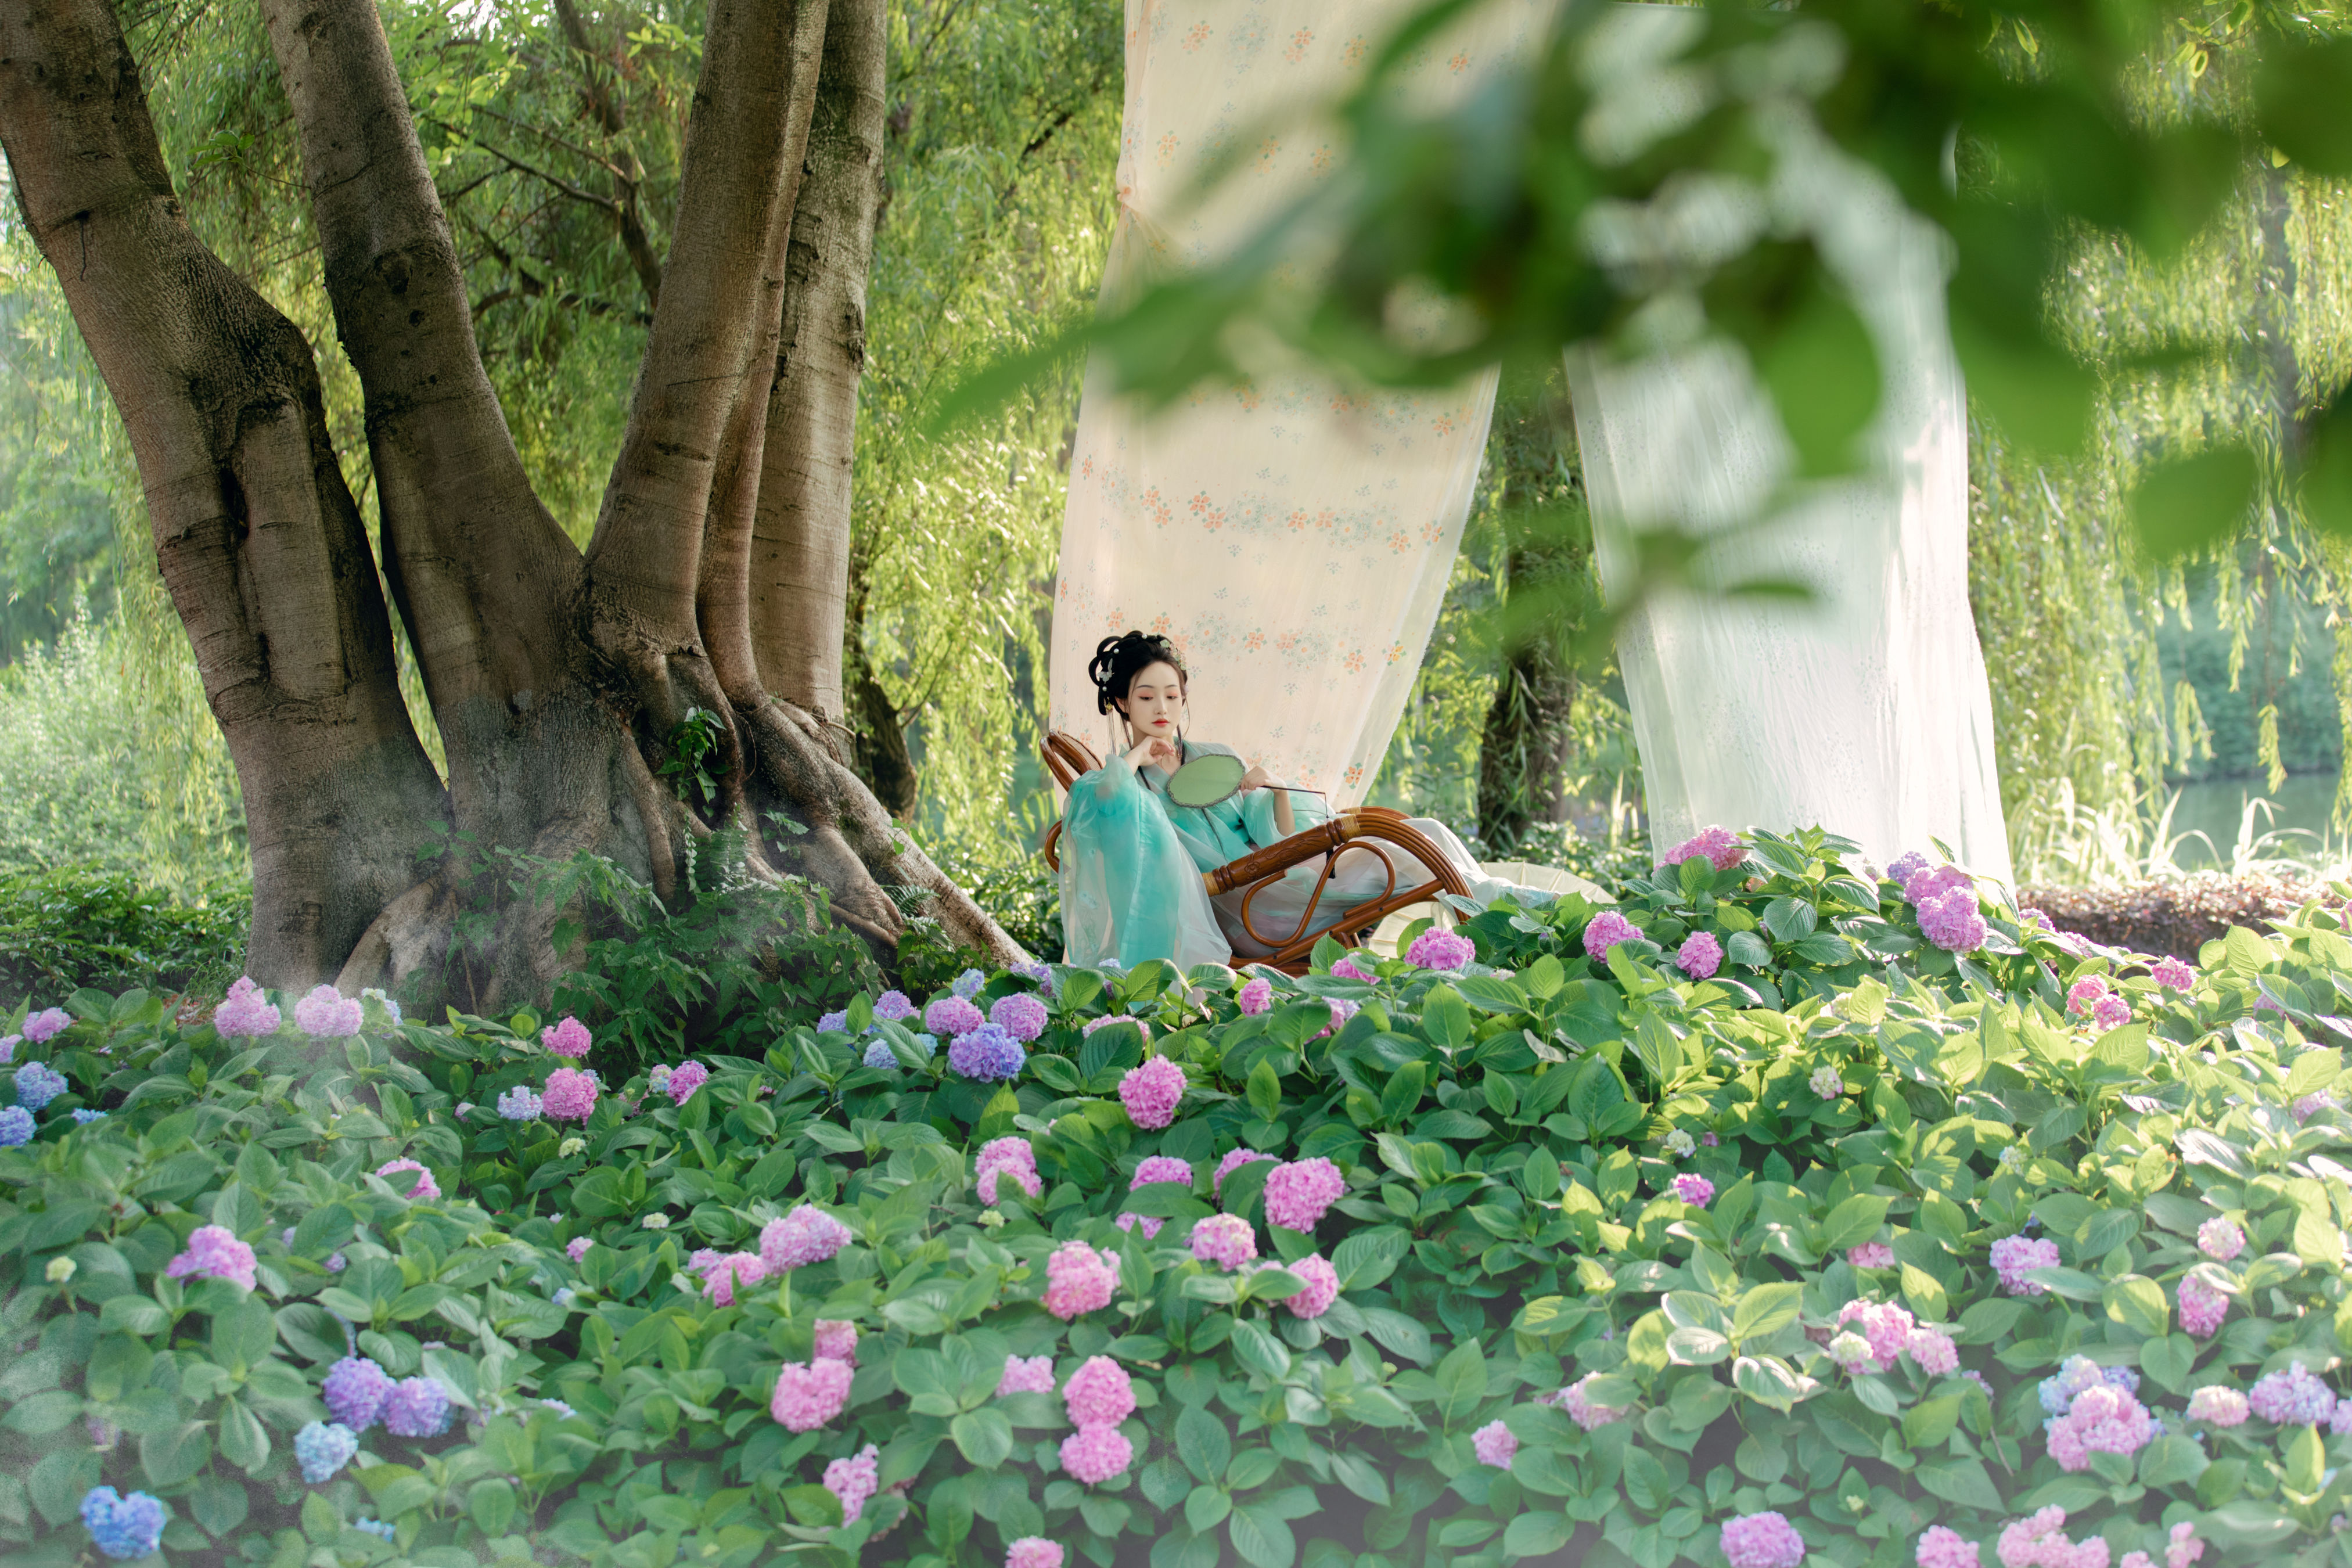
(2179, 916)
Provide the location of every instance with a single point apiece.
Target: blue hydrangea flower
(967, 984)
(518, 1104)
(833, 1024)
(987, 1055)
(564, 1296)
(125, 1528)
(37, 1083)
(2078, 1374)
(84, 1115)
(2121, 1377)
(16, 1126)
(879, 1055)
(322, 1449)
(375, 1527)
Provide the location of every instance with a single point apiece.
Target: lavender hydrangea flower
(355, 1392)
(892, 1006)
(519, 1104)
(47, 1024)
(967, 984)
(15, 1126)
(879, 1055)
(987, 1055)
(416, 1408)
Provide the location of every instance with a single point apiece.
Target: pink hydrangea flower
(1341, 1011)
(2293, 1397)
(2013, 1256)
(1301, 1192)
(2102, 1420)
(1723, 848)
(836, 1340)
(2040, 1543)
(1019, 1014)
(1579, 1409)
(1151, 1092)
(808, 1234)
(1942, 1547)
(568, 1038)
(1934, 1351)
(853, 1481)
(2202, 1308)
(246, 1012)
(1493, 1444)
(1096, 1454)
(2220, 1240)
(1347, 968)
(1606, 930)
(1032, 1376)
(1099, 1394)
(1032, 1551)
(1953, 922)
(1762, 1540)
(2174, 976)
(1078, 1279)
(953, 1015)
(1257, 996)
(577, 1248)
(2084, 994)
(213, 1252)
(1008, 1156)
(1155, 1168)
(810, 1393)
(1700, 955)
(1446, 950)
(2219, 1406)
(1234, 1161)
(724, 1273)
(1694, 1189)
(2182, 1547)
(684, 1079)
(1322, 1287)
(1870, 1254)
(1226, 1240)
(570, 1096)
(426, 1187)
(1886, 1329)
(49, 1022)
(324, 1014)
(2112, 1011)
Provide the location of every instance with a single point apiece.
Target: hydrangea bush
(1544, 1247)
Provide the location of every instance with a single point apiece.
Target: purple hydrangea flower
(416, 1408)
(37, 1083)
(892, 1006)
(1020, 1015)
(953, 1015)
(355, 1392)
(987, 1054)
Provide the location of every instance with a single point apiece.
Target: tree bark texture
(559, 680)
(799, 560)
(255, 532)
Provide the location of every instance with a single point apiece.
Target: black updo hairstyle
(1118, 660)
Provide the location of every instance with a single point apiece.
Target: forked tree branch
(255, 532)
(705, 354)
(484, 576)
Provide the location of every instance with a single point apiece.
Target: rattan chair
(1373, 829)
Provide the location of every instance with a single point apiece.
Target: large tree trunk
(559, 680)
(255, 529)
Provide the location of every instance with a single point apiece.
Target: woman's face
(1155, 701)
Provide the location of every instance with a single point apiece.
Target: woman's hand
(1258, 778)
(1154, 750)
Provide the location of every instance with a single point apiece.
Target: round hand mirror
(1206, 780)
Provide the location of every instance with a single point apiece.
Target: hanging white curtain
(1293, 540)
(1868, 712)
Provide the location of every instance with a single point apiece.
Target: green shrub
(1667, 1197)
(85, 927)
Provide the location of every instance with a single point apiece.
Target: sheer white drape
(1869, 711)
(1295, 541)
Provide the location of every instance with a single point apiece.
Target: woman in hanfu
(1131, 858)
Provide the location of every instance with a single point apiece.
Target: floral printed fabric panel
(1291, 536)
